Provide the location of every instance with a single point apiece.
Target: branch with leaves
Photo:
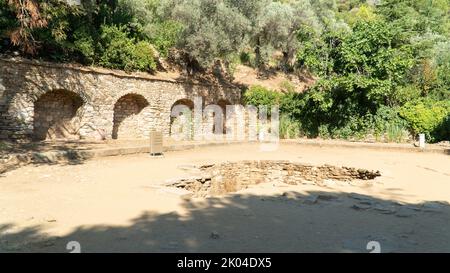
(29, 18)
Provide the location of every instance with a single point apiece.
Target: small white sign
(422, 140)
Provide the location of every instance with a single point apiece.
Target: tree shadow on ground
(291, 222)
(14, 155)
(46, 146)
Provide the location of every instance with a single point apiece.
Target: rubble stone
(228, 177)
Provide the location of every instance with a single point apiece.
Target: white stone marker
(422, 141)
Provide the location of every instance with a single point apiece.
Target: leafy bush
(164, 35)
(258, 95)
(84, 43)
(292, 104)
(442, 131)
(116, 47)
(387, 123)
(354, 127)
(406, 93)
(289, 128)
(143, 57)
(429, 117)
(318, 116)
(314, 52)
(121, 52)
(323, 131)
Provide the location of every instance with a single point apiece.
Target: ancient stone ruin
(51, 101)
(229, 177)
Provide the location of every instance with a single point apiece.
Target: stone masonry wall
(130, 117)
(41, 100)
(229, 177)
(55, 115)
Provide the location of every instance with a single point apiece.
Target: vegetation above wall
(383, 67)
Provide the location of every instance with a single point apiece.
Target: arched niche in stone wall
(181, 118)
(223, 104)
(128, 121)
(56, 115)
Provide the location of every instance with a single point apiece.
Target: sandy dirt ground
(119, 204)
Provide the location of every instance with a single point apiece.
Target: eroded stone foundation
(234, 176)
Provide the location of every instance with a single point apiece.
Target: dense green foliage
(385, 74)
(106, 33)
(258, 95)
(429, 117)
(382, 67)
(119, 51)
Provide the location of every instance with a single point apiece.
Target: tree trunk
(258, 53)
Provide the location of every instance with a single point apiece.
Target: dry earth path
(119, 204)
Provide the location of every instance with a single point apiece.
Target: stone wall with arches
(50, 101)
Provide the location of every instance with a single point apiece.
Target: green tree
(211, 29)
